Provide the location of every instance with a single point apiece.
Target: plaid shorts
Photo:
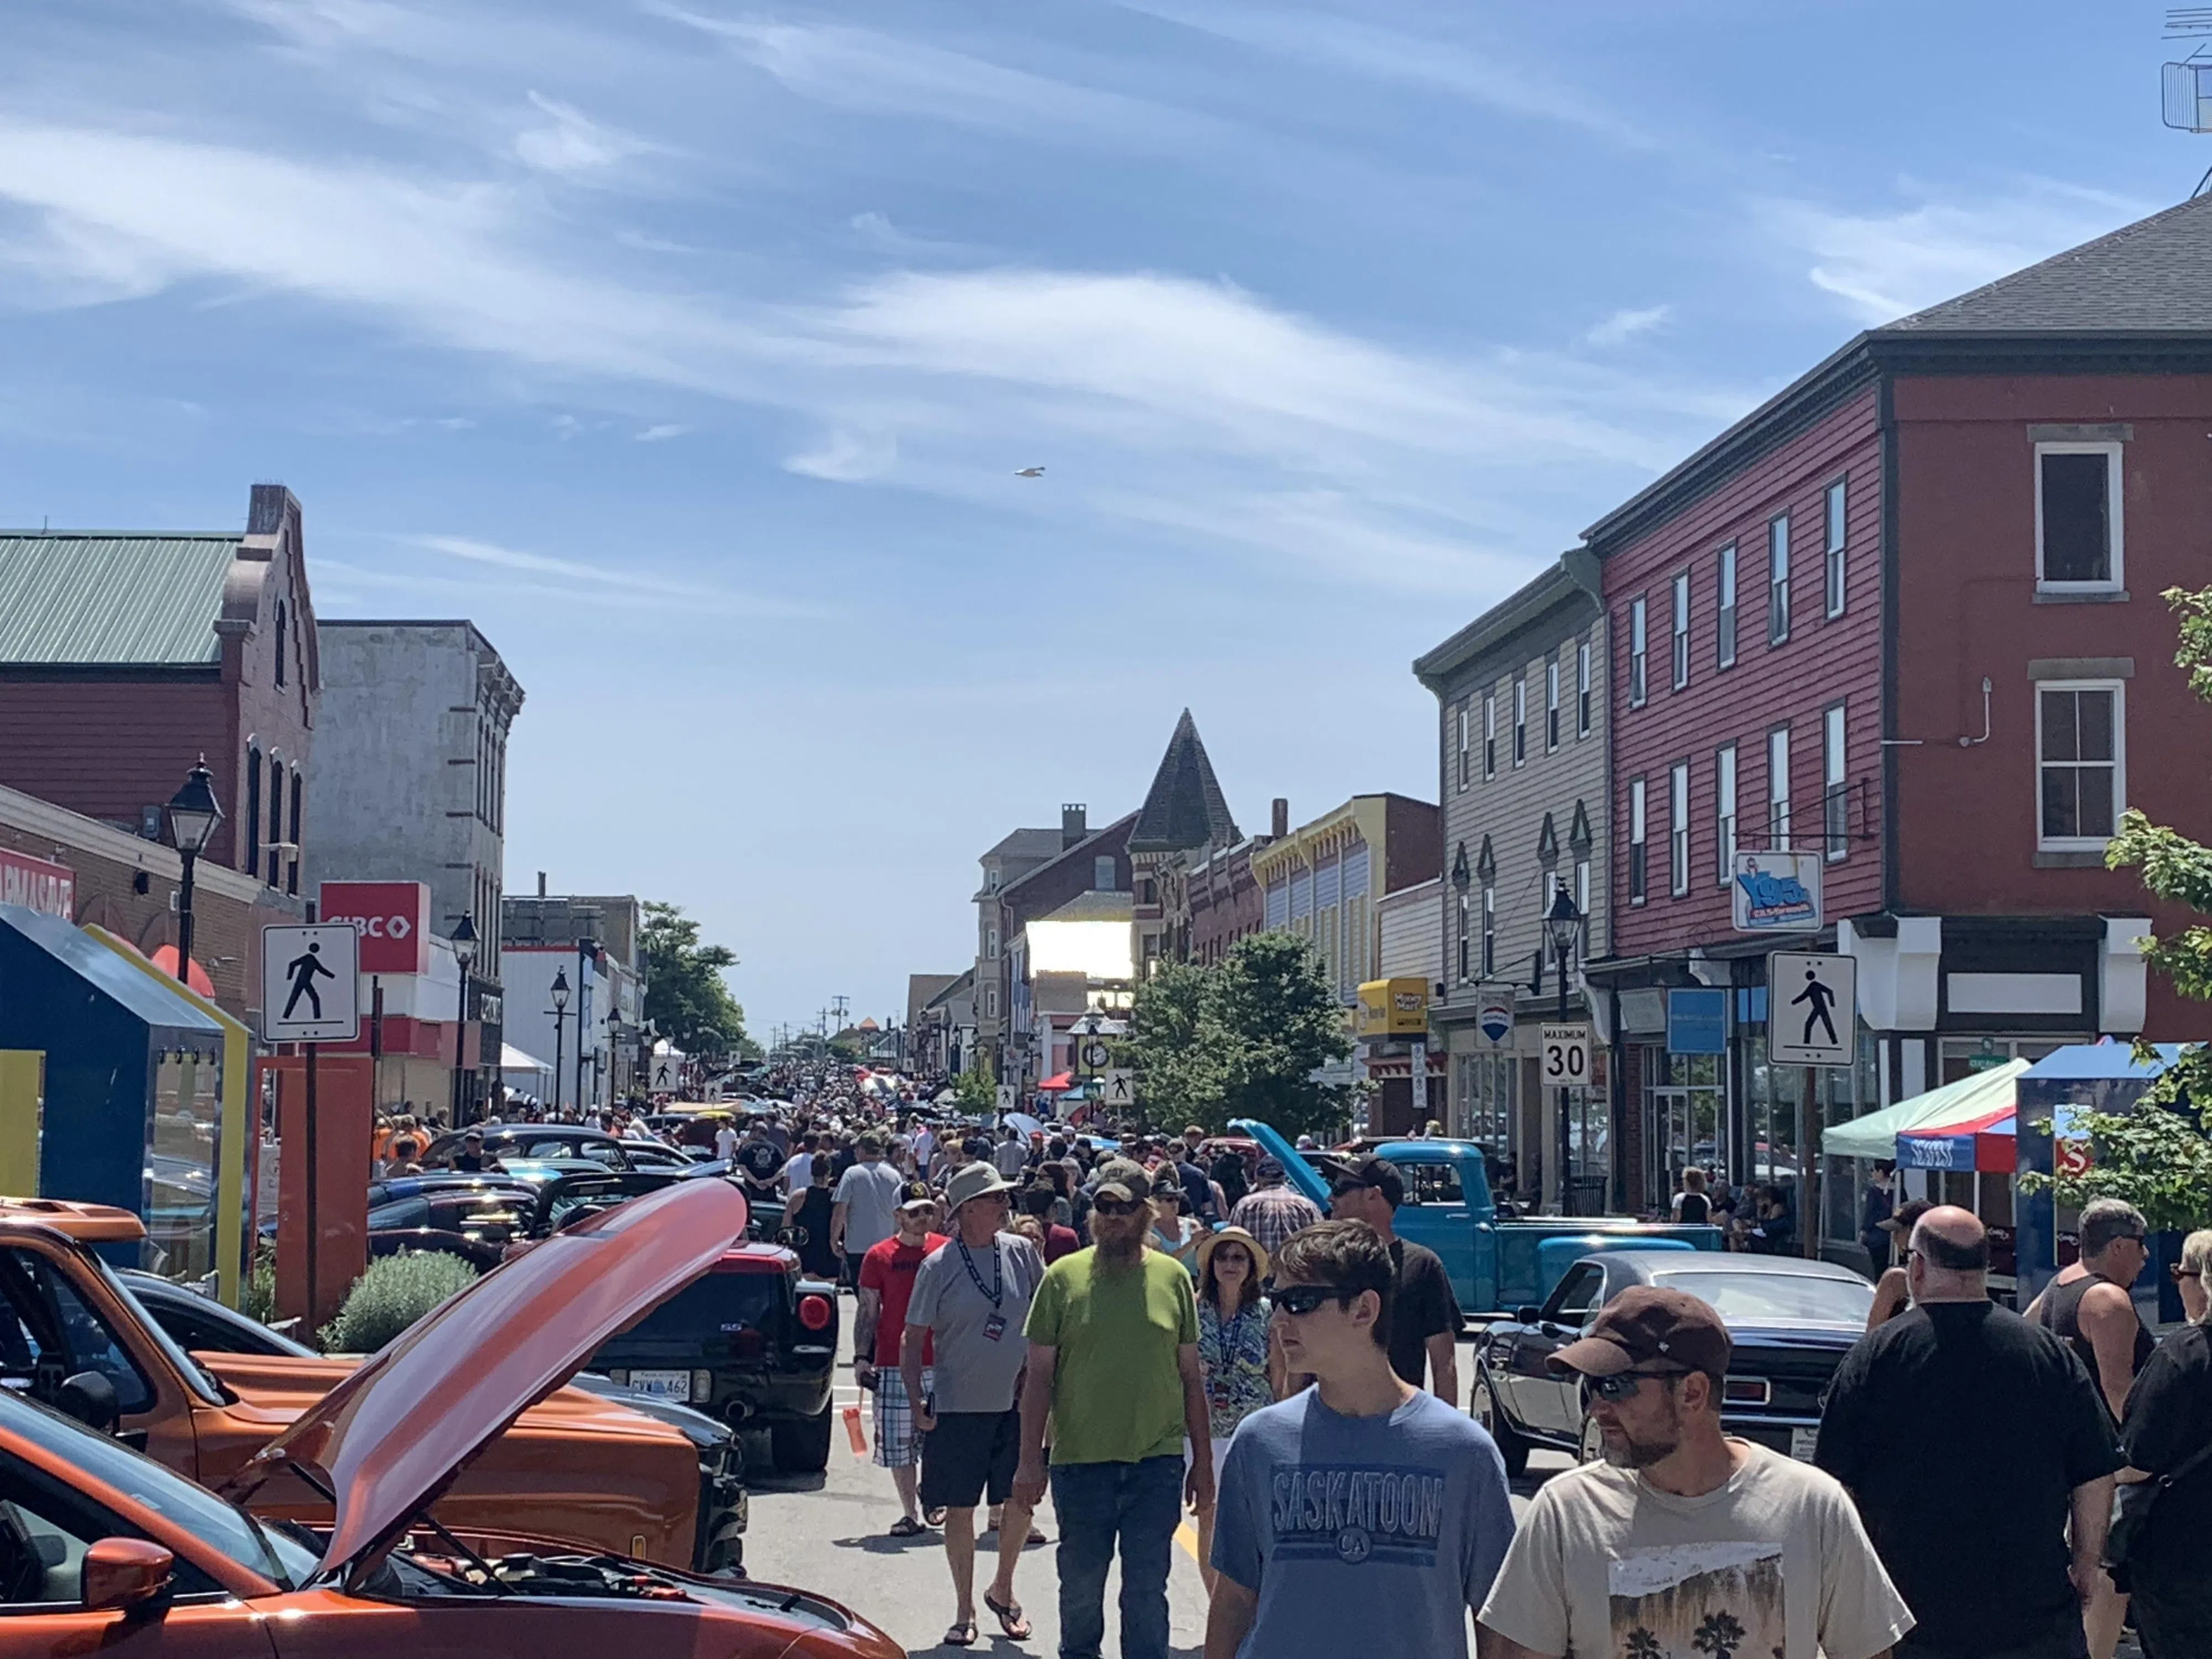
(897, 1446)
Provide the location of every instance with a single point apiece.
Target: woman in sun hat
(1243, 1370)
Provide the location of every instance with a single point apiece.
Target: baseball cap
(1906, 1216)
(914, 1193)
(1123, 1179)
(1269, 1168)
(1380, 1173)
(1653, 1330)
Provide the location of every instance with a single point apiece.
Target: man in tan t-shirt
(1684, 1538)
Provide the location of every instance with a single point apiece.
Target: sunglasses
(1619, 1387)
(2178, 1272)
(1115, 1206)
(1299, 1300)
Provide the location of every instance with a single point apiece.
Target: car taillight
(1747, 1391)
(815, 1312)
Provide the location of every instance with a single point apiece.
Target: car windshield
(189, 1369)
(221, 1526)
(1752, 1298)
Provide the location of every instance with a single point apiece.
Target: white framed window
(1778, 578)
(1833, 520)
(1681, 630)
(1102, 877)
(1520, 721)
(1490, 734)
(1466, 939)
(990, 880)
(1724, 641)
(1582, 690)
(1835, 790)
(2078, 540)
(1637, 645)
(1551, 705)
(1677, 828)
(2080, 745)
(1777, 789)
(991, 940)
(1725, 809)
(1489, 929)
(1582, 890)
(1466, 746)
(1636, 845)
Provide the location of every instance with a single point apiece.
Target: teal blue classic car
(1496, 1264)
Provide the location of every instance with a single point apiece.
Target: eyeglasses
(1619, 1387)
(1299, 1300)
(1114, 1207)
(2178, 1272)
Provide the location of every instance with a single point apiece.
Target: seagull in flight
(1029, 472)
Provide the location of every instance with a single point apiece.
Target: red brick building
(126, 657)
(1805, 616)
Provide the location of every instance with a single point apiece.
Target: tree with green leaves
(685, 996)
(977, 1089)
(1179, 1076)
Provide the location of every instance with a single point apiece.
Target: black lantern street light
(193, 814)
(1563, 925)
(465, 954)
(559, 1012)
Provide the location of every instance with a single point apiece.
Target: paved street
(827, 1533)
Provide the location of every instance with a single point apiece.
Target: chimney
(541, 884)
(1278, 819)
(1072, 817)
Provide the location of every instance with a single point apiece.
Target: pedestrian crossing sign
(1812, 1008)
(311, 983)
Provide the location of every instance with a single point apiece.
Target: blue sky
(689, 348)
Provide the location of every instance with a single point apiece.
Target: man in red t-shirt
(886, 1286)
(1042, 1201)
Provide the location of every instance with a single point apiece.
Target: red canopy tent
(1059, 1083)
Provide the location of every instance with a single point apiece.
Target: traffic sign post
(311, 994)
(1812, 1008)
(1119, 1088)
(1566, 1055)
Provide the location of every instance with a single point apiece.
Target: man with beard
(1114, 1369)
(1683, 1537)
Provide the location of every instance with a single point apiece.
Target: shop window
(2081, 775)
(2077, 517)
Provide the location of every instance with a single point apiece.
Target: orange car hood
(391, 1436)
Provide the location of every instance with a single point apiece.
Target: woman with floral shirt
(1242, 1368)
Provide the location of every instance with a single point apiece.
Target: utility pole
(837, 1007)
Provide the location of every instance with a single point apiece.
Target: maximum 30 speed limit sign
(1567, 1056)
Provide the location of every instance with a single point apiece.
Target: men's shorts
(969, 1455)
(897, 1446)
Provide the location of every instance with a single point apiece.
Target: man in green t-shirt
(1113, 1367)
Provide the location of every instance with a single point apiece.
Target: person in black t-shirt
(760, 1166)
(1977, 1450)
(1424, 1312)
(2169, 1419)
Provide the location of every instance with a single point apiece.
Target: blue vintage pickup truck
(1495, 1264)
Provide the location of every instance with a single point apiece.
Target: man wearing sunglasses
(1683, 1539)
(1424, 1314)
(1361, 1514)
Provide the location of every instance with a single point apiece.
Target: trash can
(1585, 1195)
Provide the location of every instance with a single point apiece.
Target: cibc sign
(393, 918)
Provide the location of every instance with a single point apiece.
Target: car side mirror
(124, 1575)
(1527, 1313)
(89, 1397)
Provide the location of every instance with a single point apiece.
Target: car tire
(1590, 1448)
(801, 1446)
(1482, 1407)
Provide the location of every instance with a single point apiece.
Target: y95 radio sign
(394, 919)
(1567, 1056)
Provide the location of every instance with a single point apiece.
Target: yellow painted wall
(22, 1074)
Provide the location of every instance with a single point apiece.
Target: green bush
(395, 1293)
(260, 1300)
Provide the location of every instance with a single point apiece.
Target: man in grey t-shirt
(863, 1209)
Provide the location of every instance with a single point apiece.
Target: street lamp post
(583, 1015)
(560, 1013)
(465, 953)
(1562, 923)
(193, 814)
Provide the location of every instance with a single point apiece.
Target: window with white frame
(1725, 809)
(1466, 938)
(1681, 630)
(1677, 828)
(1520, 720)
(2081, 732)
(1583, 690)
(991, 940)
(1834, 524)
(2078, 498)
(1466, 746)
(1724, 641)
(1835, 792)
(1551, 705)
(1777, 789)
(1637, 647)
(1636, 831)
(1778, 578)
(1102, 877)
(1490, 734)
(1489, 928)
(1582, 890)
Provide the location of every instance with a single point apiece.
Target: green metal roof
(112, 596)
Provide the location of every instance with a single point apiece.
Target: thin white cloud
(1881, 266)
(847, 457)
(1624, 325)
(606, 582)
(653, 435)
(571, 143)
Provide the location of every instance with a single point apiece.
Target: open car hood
(391, 1436)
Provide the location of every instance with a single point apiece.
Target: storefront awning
(1058, 1083)
(1978, 1097)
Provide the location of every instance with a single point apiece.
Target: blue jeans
(1140, 1505)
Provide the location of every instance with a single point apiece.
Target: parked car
(652, 1155)
(109, 1550)
(574, 1466)
(199, 1324)
(532, 1141)
(1494, 1262)
(1791, 1321)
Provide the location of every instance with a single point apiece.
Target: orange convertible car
(103, 1551)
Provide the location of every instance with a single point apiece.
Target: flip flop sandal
(1034, 1537)
(1010, 1617)
(961, 1635)
(933, 1517)
(906, 1527)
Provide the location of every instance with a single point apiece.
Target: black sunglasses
(1299, 1300)
(1619, 1387)
(1112, 1205)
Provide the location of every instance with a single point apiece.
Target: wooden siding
(1823, 661)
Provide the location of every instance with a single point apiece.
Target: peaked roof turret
(1184, 807)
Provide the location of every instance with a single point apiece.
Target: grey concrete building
(1522, 773)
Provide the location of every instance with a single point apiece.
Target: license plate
(1802, 1442)
(676, 1385)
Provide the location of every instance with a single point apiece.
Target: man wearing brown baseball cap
(1683, 1533)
